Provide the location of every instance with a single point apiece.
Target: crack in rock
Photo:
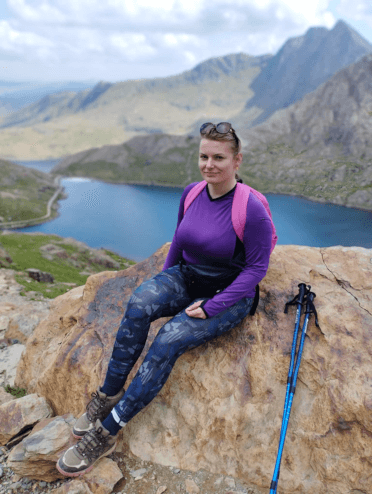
(343, 284)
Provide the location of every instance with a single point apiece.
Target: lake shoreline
(182, 187)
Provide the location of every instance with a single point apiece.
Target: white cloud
(168, 35)
(17, 41)
(360, 10)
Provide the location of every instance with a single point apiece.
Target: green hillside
(24, 193)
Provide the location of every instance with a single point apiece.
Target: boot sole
(82, 472)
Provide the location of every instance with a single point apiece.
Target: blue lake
(135, 220)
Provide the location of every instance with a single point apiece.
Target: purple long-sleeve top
(205, 233)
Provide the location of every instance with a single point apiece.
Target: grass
(24, 249)
(15, 391)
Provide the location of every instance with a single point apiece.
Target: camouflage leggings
(163, 295)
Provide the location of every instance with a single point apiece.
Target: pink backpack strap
(239, 207)
(239, 211)
(193, 194)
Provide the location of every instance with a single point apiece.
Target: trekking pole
(310, 309)
(298, 299)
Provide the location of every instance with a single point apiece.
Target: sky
(116, 40)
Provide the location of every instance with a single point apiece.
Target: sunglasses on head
(221, 128)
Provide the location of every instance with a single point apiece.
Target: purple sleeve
(175, 252)
(257, 246)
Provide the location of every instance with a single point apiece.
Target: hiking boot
(98, 408)
(79, 459)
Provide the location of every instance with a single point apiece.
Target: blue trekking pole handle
(309, 310)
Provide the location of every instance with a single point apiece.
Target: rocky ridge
(303, 64)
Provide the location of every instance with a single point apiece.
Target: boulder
(17, 415)
(40, 276)
(222, 406)
(36, 456)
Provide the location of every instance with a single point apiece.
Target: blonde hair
(213, 135)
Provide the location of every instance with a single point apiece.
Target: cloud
(168, 35)
(360, 10)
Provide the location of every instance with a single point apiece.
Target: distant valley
(239, 88)
(319, 147)
(304, 116)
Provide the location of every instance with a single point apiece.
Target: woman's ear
(238, 160)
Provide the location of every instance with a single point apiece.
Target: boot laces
(92, 444)
(94, 406)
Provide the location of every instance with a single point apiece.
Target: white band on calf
(117, 418)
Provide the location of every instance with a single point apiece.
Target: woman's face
(217, 163)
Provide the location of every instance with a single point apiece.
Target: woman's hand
(194, 311)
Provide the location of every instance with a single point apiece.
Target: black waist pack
(204, 281)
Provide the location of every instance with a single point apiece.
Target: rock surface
(5, 397)
(100, 480)
(19, 414)
(36, 456)
(221, 408)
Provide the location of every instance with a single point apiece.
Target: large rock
(221, 408)
(36, 456)
(17, 415)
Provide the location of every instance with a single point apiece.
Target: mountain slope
(24, 192)
(103, 94)
(320, 147)
(302, 64)
(239, 88)
(156, 159)
(14, 96)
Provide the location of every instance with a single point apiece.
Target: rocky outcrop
(17, 415)
(221, 408)
(36, 456)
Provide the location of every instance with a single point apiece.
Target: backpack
(238, 216)
(239, 207)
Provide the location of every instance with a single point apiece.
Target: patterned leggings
(163, 295)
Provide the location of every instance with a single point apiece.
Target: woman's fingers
(195, 305)
(195, 312)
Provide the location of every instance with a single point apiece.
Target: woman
(204, 240)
